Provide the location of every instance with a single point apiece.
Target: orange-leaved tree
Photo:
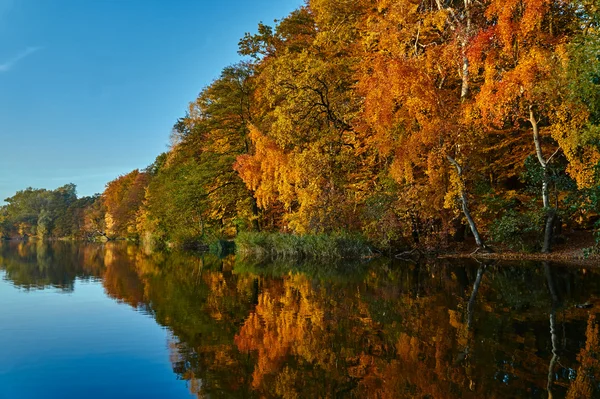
(414, 78)
(522, 59)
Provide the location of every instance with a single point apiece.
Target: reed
(313, 246)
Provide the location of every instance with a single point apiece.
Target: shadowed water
(111, 321)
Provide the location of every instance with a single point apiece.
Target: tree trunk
(255, 213)
(548, 231)
(465, 205)
(550, 212)
(464, 90)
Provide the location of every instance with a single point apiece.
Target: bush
(519, 231)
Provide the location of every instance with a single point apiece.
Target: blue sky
(89, 89)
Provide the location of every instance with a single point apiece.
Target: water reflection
(36, 265)
(378, 329)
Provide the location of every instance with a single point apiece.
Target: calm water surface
(111, 321)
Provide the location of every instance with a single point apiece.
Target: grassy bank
(313, 246)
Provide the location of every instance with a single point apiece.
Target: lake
(114, 321)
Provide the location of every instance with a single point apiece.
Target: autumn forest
(405, 122)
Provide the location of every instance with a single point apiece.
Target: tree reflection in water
(380, 329)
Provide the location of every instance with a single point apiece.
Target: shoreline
(331, 248)
(556, 257)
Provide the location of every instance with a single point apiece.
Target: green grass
(311, 246)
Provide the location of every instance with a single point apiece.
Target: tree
(521, 57)
(122, 199)
(416, 101)
(194, 193)
(37, 211)
(302, 160)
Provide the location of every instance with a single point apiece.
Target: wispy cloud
(8, 65)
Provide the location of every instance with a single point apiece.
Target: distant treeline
(52, 213)
(407, 122)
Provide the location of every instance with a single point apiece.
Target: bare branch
(552, 156)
